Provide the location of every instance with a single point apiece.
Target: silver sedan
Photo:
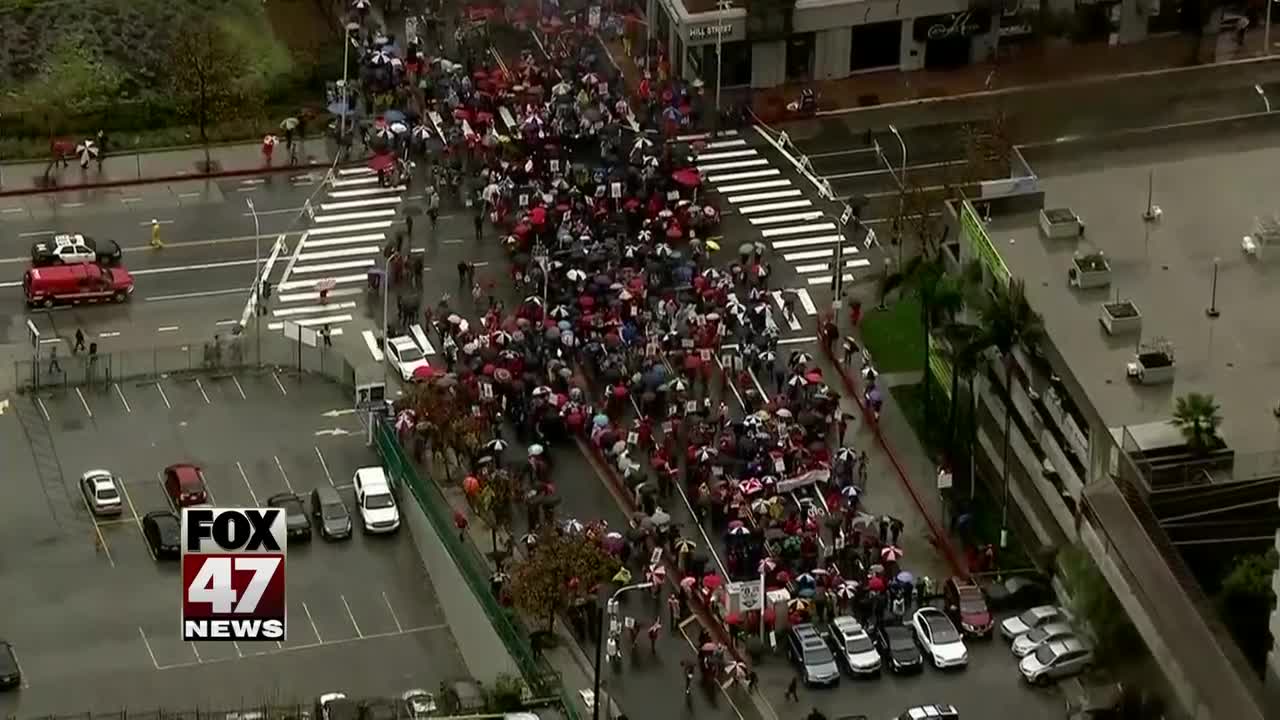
(101, 491)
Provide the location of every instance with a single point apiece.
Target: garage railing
(541, 678)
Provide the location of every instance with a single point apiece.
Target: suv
(330, 513)
(807, 650)
(853, 646)
(966, 605)
(1056, 660)
(930, 712)
(378, 512)
(73, 249)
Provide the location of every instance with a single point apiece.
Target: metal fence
(228, 355)
(541, 677)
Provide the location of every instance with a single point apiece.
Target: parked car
(336, 706)
(1030, 620)
(378, 511)
(101, 491)
(1018, 592)
(939, 638)
(297, 523)
(1029, 642)
(967, 607)
(418, 704)
(405, 355)
(1056, 660)
(379, 709)
(853, 646)
(930, 712)
(330, 513)
(807, 650)
(1105, 701)
(163, 532)
(185, 486)
(897, 645)
(10, 670)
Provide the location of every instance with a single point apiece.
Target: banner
(975, 234)
(805, 480)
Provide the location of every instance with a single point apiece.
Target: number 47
(213, 584)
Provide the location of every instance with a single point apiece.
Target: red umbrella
(688, 177)
(586, 301)
(484, 117)
(711, 582)
(471, 485)
(732, 619)
(538, 216)
(674, 232)
(479, 75)
(462, 114)
(692, 362)
(489, 368)
(426, 372)
(382, 161)
(876, 583)
(814, 376)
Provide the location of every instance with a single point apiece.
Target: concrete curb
(940, 538)
(301, 167)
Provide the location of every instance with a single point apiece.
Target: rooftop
(1211, 192)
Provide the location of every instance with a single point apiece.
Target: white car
(939, 638)
(853, 646)
(1029, 642)
(378, 511)
(1030, 620)
(101, 491)
(418, 704)
(1056, 660)
(405, 355)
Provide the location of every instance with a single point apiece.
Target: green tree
(1198, 416)
(1245, 599)
(501, 487)
(939, 294)
(964, 349)
(542, 585)
(1092, 600)
(1009, 322)
(206, 63)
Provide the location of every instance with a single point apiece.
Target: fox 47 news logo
(233, 574)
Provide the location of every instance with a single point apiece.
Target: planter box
(1060, 223)
(1089, 271)
(1152, 368)
(1120, 318)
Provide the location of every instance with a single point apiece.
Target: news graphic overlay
(233, 574)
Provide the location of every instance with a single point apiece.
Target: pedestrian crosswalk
(326, 275)
(801, 234)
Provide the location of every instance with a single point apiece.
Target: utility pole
(724, 6)
(902, 196)
(600, 631)
(258, 280)
(346, 70)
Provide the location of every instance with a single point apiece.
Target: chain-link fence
(222, 355)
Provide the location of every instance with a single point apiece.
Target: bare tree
(206, 62)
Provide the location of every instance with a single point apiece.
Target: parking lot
(88, 606)
(990, 687)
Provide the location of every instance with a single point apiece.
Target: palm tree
(1009, 323)
(1198, 416)
(941, 297)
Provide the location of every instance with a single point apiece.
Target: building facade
(1272, 678)
(772, 42)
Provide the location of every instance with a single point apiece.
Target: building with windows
(766, 43)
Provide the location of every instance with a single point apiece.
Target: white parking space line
(378, 238)
(163, 396)
(236, 645)
(97, 529)
(137, 521)
(123, 401)
(150, 653)
(365, 203)
(790, 217)
(283, 474)
(325, 467)
(347, 229)
(43, 410)
(311, 322)
(194, 651)
(748, 187)
(771, 207)
(239, 389)
(313, 309)
(369, 340)
(84, 403)
(394, 617)
(203, 394)
(311, 620)
(330, 267)
(765, 196)
(726, 155)
(798, 230)
(351, 616)
(366, 192)
(311, 646)
(748, 175)
(339, 253)
(348, 217)
(310, 284)
(805, 242)
(276, 377)
(247, 484)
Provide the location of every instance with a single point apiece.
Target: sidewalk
(131, 168)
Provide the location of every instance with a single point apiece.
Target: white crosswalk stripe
(353, 219)
(748, 187)
(798, 230)
(726, 155)
(772, 207)
(761, 197)
(779, 219)
(748, 175)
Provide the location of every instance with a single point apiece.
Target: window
(876, 45)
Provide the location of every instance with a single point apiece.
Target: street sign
(34, 333)
(846, 215)
(370, 395)
(745, 596)
(593, 16)
(871, 239)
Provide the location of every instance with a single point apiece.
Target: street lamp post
(600, 629)
(346, 70)
(1266, 31)
(257, 279)
(386, 286)
(724, 6)
(1212, 311)
(902, 195)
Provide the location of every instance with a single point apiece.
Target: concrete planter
(1154, 368)
(1056, 223)
(1089, 271)
(1120, 318)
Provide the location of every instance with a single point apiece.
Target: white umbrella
(399, 128)
(360, 4)
(270, 140)
(289, 123)
(380, 57)
(641, 143)
(88, 150)
(383, 132)
(421, 132)
(561, 88)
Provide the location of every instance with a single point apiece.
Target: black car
(330, 513)
(71, 248)
(379, 709)
(163, 531)
(1018, 592)
(897, 645)
(295, 515)
(10, 671)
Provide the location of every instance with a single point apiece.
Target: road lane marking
(767, 195)
(196, 652)
(313, 322)
(348, 229)
(351, 616)
(324, 466)
(137, 521)
(102, 540)
(365, 203)
(189, 194)
(312, 309)
(236, 645)
(339, 253)
(310, 284)
(348, 217)
(808, 255)
(725, 155)
(354, 171)
(277, 211)
(247, 484)
(378, 238)
(810, 242)
(120, 394)
(71, 205)
(13, 210)
(276, 377)
(108, 334)
(314, 295)
(192, 295)
(43, 410)
(353, 182)
(167, 328)
(203, 394)
(239, 389)
(367, 192)
(790, 217)
(330, 267)
(307, 610)
(385, 599)
(84, 404)
(283, 474)
(35, 233)
(147, 223)
(150, 652)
